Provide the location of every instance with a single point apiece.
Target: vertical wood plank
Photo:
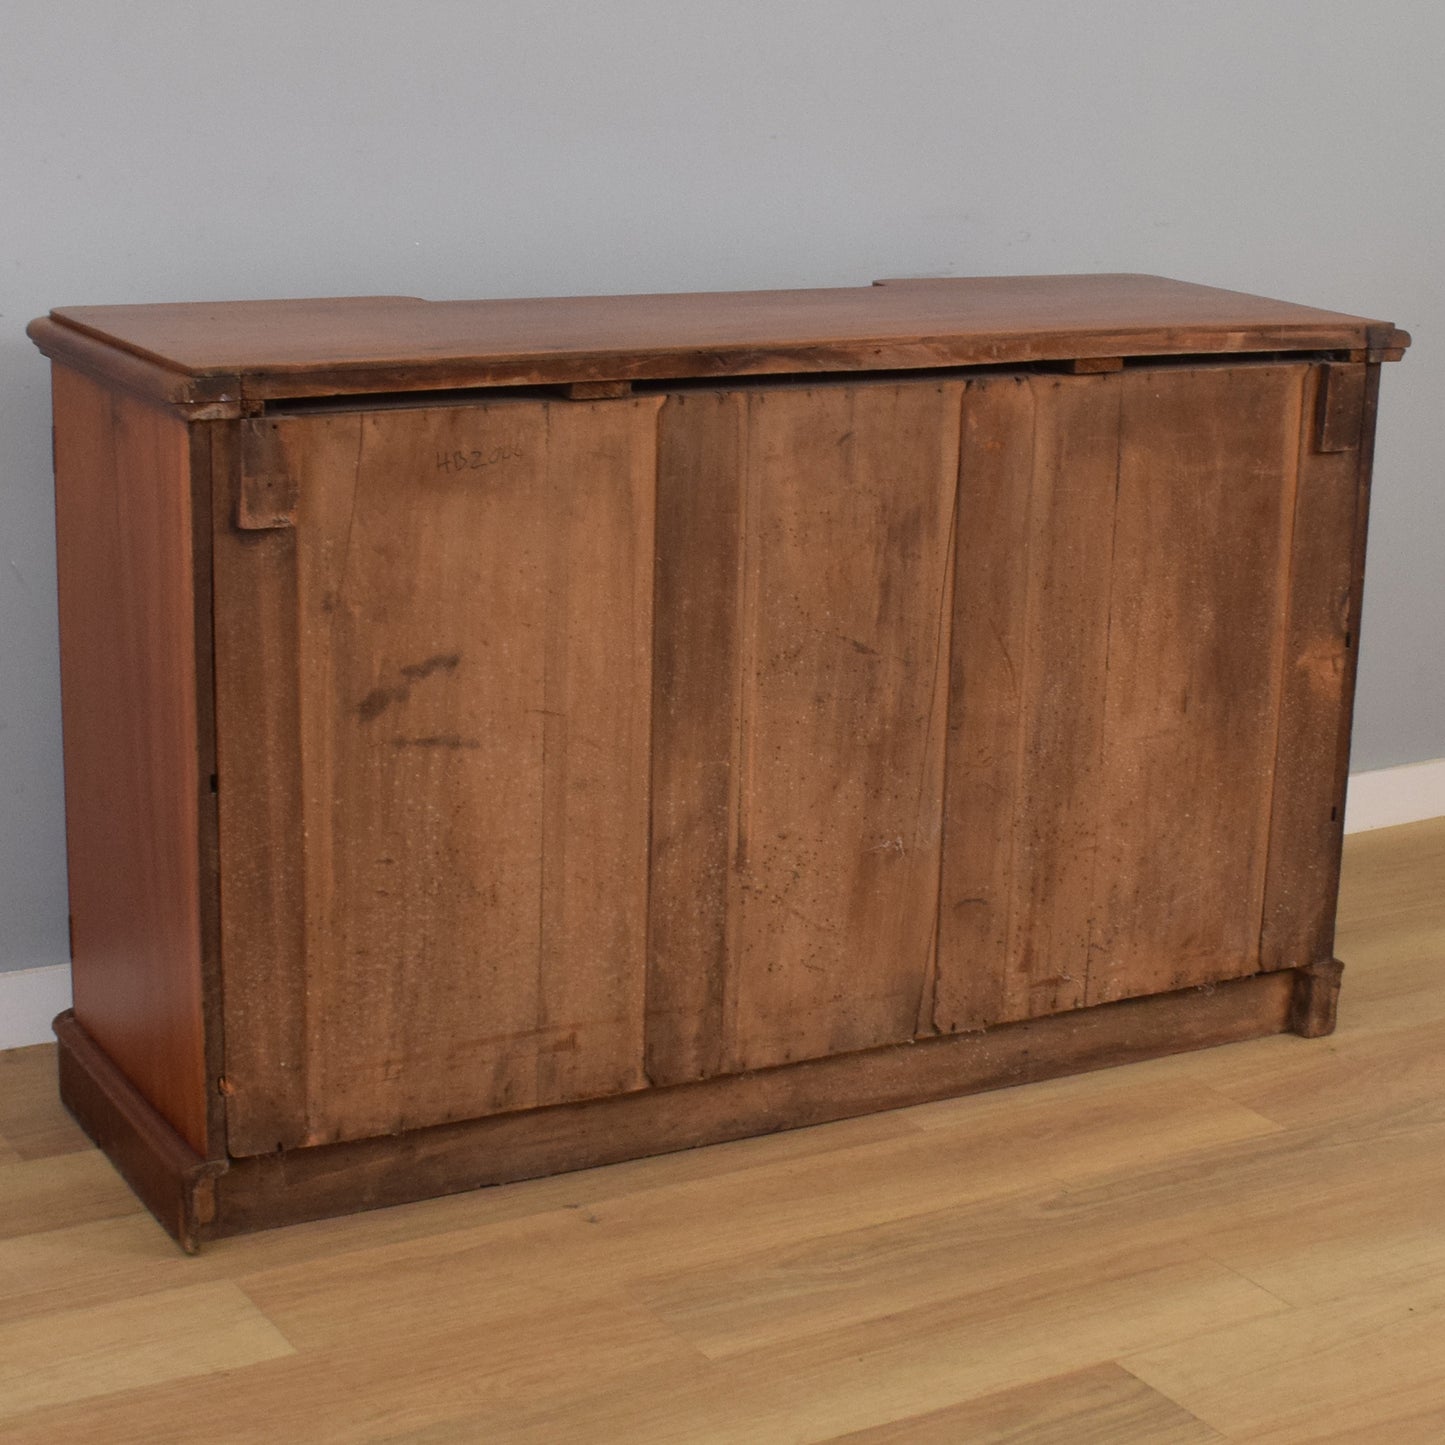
(202, 449)
(1207, 483)
(848, 516)
(259, 818)
(1036, 521)
(601, 480)
(802, 678)
(990, 625)
(132, 766)
(424, 697)
(1320, 636)
(701, 451)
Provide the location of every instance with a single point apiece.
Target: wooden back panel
(1149, 657)
(434, 766)
(804, 544)
(932, 704)
(128, 659)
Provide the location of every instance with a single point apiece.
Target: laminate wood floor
(1241, 1244)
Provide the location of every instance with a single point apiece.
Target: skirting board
(1384, 797)
(31, 997)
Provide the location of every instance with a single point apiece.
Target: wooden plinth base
(197, 1199)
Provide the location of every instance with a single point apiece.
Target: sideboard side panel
(132, 750)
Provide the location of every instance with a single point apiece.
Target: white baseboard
(31, 997)
(1387, 796)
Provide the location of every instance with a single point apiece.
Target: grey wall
(160, 151)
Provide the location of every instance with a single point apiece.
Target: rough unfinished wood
(823, 941)
(467, 767)
(1120, 614)
(1207, 480)
(1321, 628)
(702, 438)
(1031, 636)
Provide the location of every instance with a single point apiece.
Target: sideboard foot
(175, 1183)
(1316, 999)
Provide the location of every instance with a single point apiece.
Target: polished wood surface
(1246, 1244)
(133, 748)
(303, 348)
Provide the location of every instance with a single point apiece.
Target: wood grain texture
(168, 1176)
(1035, 541)
(30, 1124)
(1102, 1405)
(1202, 531)
(132, 1344)
(702, 447)
(1120, 614)
(600, 743)
(1005, 1263)
(800, 720)
(1321, 630)
(455, 808)
(261, 883)
(60, 1193)
(258, 349)
(287, 1186)
(132, 766)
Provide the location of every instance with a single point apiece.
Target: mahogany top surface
(925, 322)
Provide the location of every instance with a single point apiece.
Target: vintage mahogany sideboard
(503, 737)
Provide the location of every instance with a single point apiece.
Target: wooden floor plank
(74, 1354)
(41, 1194)
(1097, 1406)
(1244, 1243)
(32, 1123)
(1348, 1365)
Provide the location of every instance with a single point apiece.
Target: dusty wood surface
(1246, 1244)
(1119, 644)
(1207, 488)
(1031, 635)
(802, 616)
(200, 352)
(445, 826)
(133, 748)
(1320, 648)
